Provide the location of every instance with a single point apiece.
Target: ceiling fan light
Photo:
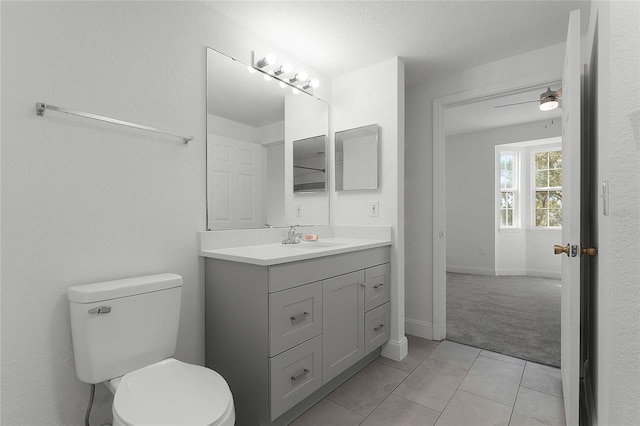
(549, 103)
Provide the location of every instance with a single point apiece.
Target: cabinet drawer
(376, 327)
(295, 315)
(295, 374)
(377, 288)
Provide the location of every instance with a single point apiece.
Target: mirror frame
(339, 139)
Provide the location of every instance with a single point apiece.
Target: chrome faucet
(293, 237)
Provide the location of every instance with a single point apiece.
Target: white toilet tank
(120, 326)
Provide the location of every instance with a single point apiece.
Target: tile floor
(444, 384)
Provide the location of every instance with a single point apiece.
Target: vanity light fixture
(284, 69)
(298, 82)
(301, 76)
(311, 83)
(267, 60)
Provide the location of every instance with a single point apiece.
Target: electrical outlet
(373, 208)
(482, 252)
(298, 210)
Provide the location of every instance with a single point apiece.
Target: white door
(235, 183)
(570, 316)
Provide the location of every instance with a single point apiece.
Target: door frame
(440, 105)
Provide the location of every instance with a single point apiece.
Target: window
(547, 188)
(508, 189)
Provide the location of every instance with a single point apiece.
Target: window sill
(510, 230)
(550, 230)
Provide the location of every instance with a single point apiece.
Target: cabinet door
(343, 323)
(377, 289)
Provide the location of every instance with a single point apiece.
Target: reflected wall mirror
(251, 128)
(357, 158)
(310, 164)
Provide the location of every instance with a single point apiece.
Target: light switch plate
(374, 206)
(298, 210)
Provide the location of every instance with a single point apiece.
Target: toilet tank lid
(96, 292)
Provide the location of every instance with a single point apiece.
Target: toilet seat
(171, 392)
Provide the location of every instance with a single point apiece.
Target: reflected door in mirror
(235, 179)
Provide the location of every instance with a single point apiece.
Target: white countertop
(276, 253)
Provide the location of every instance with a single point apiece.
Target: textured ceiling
(433, 37)
(483, 115)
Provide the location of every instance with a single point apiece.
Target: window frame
(516, 189)
(534, 188)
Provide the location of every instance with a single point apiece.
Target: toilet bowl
(172, 392)
(124, 334)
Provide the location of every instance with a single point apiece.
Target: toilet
(124, 334)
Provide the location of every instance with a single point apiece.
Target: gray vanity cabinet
(285, 335)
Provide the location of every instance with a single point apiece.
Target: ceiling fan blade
(517, 103)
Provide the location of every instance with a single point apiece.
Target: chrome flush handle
(100, 310)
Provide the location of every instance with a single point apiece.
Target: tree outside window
(548, 188)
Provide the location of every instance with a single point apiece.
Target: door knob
(591, 251)
(561, 249)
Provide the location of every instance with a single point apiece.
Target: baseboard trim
(518, 272)
(470, 270)
(418, 328)
(396, 350)
(543, 273)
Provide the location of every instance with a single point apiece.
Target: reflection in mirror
(246, 147)
(309, 164)
(357, 158)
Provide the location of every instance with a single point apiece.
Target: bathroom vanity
(287, 325)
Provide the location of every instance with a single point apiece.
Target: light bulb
(295, 91)
(283, 85)
(268, 77)
(251, 69)
(301, 76)
(315, 83)
(548, 105)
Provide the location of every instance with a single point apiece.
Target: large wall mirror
(357, 158)
(251, 128)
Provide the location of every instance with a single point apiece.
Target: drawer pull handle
(378, 327)
(304, 314)
(377, 286)
(299, 376)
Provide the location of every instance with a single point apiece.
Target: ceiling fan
(548, 100)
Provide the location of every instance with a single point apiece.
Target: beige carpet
(511, 315)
